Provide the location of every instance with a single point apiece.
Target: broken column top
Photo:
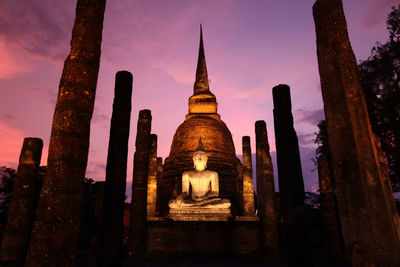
(322, 6)
(281, 95)
(260, 124)
(246, 140)
(261, 127)
(123, 91)
(145, 114)
(331, 15)
(153, 145)
(124, 74)
(31, 151)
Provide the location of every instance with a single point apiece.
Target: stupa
(202, 121)
(192, 221)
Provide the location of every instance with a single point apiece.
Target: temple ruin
(201, 202)
(226, 222)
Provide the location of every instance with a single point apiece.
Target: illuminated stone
(56, 227)
(248, 191)
(266, 202)
(159, 184)
(137, 235)
(21, 212)
(203, 203)
(152, 178)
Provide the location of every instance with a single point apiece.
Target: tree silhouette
(321, 139)
(7, 176)
(380, 79)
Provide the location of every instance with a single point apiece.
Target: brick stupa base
(203, 240)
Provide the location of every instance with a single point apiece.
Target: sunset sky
(250, 46)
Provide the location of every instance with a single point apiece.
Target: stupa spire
(202, 102)
(201, 84)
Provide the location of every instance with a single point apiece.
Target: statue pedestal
(199, 214)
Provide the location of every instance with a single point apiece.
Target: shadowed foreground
(88, 258)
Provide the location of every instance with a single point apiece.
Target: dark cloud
(7, 116)
(310, 176)
(95, 170)
(50, 93)
(311, 116)
(10, 164)
(90, 172)
(100, 118)
(305, 139)
(128, 191)
(41, 28)
(100, 166)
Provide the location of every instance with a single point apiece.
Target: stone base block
(200, 214)
(247, 218)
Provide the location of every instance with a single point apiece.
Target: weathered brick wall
(205, 240)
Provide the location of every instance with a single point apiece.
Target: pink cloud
(315, 188)
(257, 94)
(38, 32)
(180, 71)
(310, 116)
(11, 141)
(10, 65)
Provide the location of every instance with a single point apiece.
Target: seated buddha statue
(204, 184)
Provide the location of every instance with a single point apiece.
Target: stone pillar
(331, 232)
(266, 193)
(366, 205)
(239, 188)
(152, 178)
(21, 212)
(159, 185)
(137, 236)
(56, 226)
(110, 249)
(291, 185)
(98, 211)
(248, 191)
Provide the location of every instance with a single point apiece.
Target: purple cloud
(7, 116)
(100, 118)
(305, 139)
(40, 28)
(311, 116)
(95, 170)
(377, 12)
(51, 94)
